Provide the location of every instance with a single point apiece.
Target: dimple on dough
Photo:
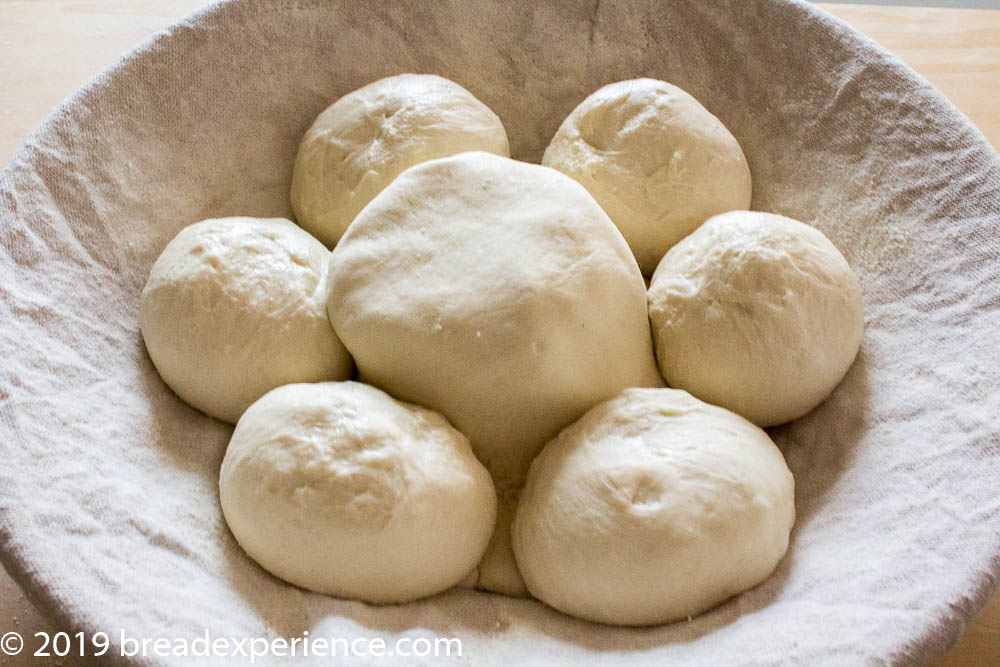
(758, 313)
(341, 489)
(234, 307)
(654, 506)
(655, 159)
(364, 140)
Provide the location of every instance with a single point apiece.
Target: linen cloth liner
(109, 515)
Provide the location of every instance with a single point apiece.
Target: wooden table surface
(48, 48)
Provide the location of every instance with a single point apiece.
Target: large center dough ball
(367, 138)
(758, 313)
(655, 159)
(497, 292)
(652, 507)
(339, 488)
(235, 307)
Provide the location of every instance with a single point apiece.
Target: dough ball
(496, 292)
(235, 307)
(653, 507)
(757, 313)
(655, 159)
(341, 489)
(367, 138)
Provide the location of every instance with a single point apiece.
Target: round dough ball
(341, 489)
(367, 138)
(653, 507)
(757, 313)
(235, 307)
(496, 292)
(655, 159)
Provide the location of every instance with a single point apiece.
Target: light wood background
(48, 48)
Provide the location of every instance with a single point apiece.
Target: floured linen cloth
(109, 512)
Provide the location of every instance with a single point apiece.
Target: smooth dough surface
(758, 313)
(341, 489)
(655, 159)
(496, 292)
(654, 506)
(235, 307)
(364, 140)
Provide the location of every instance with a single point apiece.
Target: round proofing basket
(109, 514)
